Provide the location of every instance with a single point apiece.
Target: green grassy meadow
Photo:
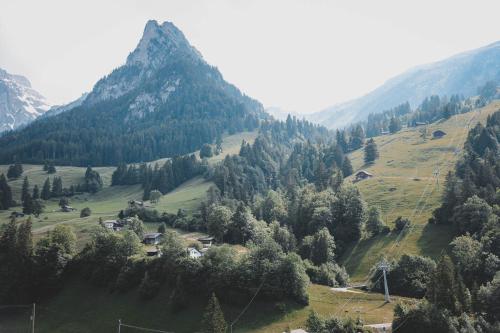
(109, 201)
(405, 184)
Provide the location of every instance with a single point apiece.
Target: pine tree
(347, 167)
(321, 176)
(25, 189)
(36, 193)
(342, 141)
(442, 289)
(45, 195)
(5, 193)
(28, 204)
(57, 187)
(395, 125)
(213, 318)
(337, 180)
(239, 228)
(24, 243)
(51, 168)
(147, 192)
(8, 239)
(371, 151)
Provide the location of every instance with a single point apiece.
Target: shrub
(402, 223)
(327, 274)
(85, 212)
(206, 151)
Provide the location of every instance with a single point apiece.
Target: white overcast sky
(299, 55)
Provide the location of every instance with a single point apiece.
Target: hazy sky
(299, 55)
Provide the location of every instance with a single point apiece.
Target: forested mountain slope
(164, 101)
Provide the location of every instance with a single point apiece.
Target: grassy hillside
(98, 311)
(408, 181)
(110, 200)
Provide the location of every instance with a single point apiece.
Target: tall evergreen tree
(395, 125)
(28, 204)
(446, 289)
(5, 193)
(45, 195)
(25, 189)
(213, 318)
(57, 187)
(342, 140)
(51, 168)
(36, 193)
(321, 176)
(347, 167)
(371, 151)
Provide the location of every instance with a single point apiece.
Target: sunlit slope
(408, 181)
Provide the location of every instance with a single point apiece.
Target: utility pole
(33, 319)
(384, 266)
(436, 175)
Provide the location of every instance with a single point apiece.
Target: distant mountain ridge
(460, 74)
(281, 114)
(57, 109)
(164, 101)
(19, 102)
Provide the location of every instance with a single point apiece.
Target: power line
(144, 329)
(23, 306)
(414, 214)
(247, 306)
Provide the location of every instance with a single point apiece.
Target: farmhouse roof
(201, 239)
(152, 235)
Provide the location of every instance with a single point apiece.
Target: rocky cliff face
(19, 102)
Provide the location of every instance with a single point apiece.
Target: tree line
(162, 178)
(431, 109)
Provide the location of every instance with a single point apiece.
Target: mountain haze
(19, 102)
(164, 101)
(460, 74)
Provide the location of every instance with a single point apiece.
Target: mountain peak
(19, 102)
(164, 101)
(157, 43)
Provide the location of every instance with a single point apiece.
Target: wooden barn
(438, 134)
(362, 174)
